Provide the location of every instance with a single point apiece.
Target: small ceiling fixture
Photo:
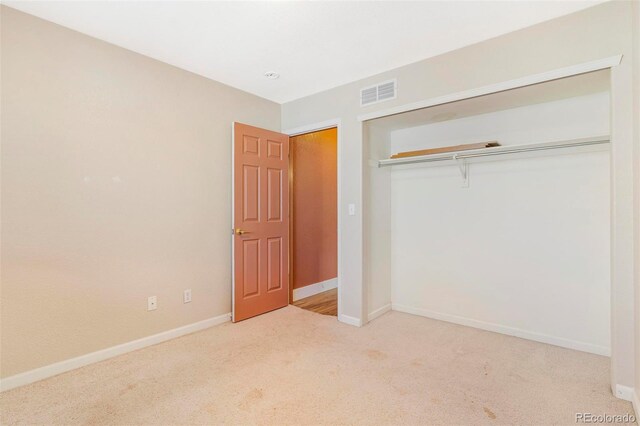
(271, 75)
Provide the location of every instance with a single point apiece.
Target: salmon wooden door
(261, 221)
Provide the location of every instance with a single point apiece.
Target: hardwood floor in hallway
(325, 303)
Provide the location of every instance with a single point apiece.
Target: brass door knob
(239, 231)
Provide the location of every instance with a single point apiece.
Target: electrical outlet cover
(152, 303)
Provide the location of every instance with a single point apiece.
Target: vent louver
(377, 93)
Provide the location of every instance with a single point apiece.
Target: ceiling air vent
(380, 92)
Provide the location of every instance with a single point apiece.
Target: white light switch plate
(352, 209)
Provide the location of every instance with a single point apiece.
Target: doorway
(313, 195)
(270, 267)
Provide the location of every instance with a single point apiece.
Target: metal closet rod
(499, 150)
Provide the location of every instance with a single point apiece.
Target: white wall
(525, 249)
(572, 118)
(377, 223)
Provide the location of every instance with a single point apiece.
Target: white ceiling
(314, 46)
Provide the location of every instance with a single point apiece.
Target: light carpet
(296, 367)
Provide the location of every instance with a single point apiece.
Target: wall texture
(314, 214)
(595, 33)
(115, 187)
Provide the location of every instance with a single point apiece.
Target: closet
(513, 239)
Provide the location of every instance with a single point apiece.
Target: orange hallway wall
(314, 193)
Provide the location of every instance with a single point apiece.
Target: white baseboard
(376, 313)
(313, 289)
(93, 357)
(511, 331)
(624, 392)
(350, 320)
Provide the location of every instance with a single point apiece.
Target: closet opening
(513, 238)
(313, 201)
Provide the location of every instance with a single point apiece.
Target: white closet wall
(524, 250)
(377, 224)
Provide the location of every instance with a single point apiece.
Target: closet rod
(498, 150)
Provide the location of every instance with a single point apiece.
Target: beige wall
(115, 187)
(595, 33)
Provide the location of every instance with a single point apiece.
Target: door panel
(274, 256)
(261, 212)
(251, 188)
(250, 271)
(274, 195)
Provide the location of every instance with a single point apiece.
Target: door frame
(232, 158)
(311, 128)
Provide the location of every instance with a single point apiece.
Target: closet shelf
(496, 151)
